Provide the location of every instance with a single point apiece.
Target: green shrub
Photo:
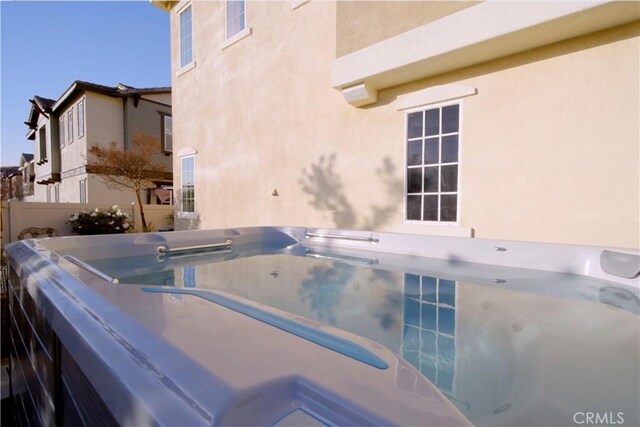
(97, 221)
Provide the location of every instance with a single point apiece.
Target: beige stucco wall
(362, 23)
(550, 141)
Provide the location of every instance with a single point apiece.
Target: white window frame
(42, 143)
(56, 193)
(182, 159)
(164, 132)
(80, 117)
(70, 125)
(61, 131)
(83, 190)
(458, 193)
(246, 31)
(184, 67)
(48, 193)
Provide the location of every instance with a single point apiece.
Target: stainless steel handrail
(369, 239)
(342, 258)
(90, 269)
(162, 249)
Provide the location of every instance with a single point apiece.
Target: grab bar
(162, 249)
(342, 258)
(369, 239)
(90, 269)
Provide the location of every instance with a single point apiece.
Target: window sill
(237, 37)
(297, 3)
(432, 229)
(186, 68)
(188, 215)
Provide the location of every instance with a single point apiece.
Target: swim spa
(285, 326)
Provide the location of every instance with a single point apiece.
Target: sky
(46, 45)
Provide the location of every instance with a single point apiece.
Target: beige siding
(362, 23)
(146, 118)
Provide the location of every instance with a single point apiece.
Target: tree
(133, 169)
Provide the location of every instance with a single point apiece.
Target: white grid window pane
(81, 119)
(432, 166)
(186, 43)
(188, 184)
(235, 17)
(168, 133)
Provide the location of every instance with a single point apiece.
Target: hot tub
(284, 326)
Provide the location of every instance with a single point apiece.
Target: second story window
(56, 193)
(81, 118)
(186, 44)
(70, 126)
(61, 132)
(167, 133)
(236, 17)
(42, 140)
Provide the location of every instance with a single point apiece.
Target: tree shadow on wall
(327, 194)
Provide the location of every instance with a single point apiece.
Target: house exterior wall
(146, 118)
(104, 122)
(362, 23)
(549, 147)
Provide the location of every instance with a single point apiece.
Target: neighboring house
(87, 114)
(28, 175)
(9, 190)
(507, 120)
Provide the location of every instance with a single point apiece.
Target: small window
(48, 194)
(56, 193)
(61, 132)
(236, 17)
(188, 184)
(186, 43)
(167, 133)
(189, 274)
(81, 118)
(42, 140)
(70, 126)
(83, 191)
(432, 166)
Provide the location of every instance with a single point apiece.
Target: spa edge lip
(257, 365)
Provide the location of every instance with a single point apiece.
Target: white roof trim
(487, 31)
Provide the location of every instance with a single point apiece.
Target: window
(429, 330)
(186, 44)
(167, 133)
(189, 276)
(81, 118)
(42, 140)
(56, 193)
(235, 17)
(48, 194)
(83, 191)
(433, 139)
(61, 131)
(70, 126)
(188, 184)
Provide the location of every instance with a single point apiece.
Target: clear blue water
(507, 346)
